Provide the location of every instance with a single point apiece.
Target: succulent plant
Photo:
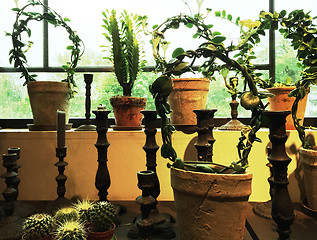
(102, 216)
(38, 226)
(65, 214)
(83, 208)
(70, 230)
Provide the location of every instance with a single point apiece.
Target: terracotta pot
(127, 110)
(108, 235)
(308, 159)
(45, 99)
(281, 102)
(211, 206)
(188, 94)
(48, 237)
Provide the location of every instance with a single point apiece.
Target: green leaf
(16, 9)
(189, 25)
(282, 13)
(224, 13)
(177, 52)
(218, 39)
(154, 26)
(216, 33)
(66, 19)
(229, 17)
(218, 14)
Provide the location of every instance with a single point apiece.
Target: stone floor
(303, 228)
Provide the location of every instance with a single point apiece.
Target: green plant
(70, 230)
(83, 208)
(211, 50)
(37, 226)
(18, 53)
(299, 28)
(65, 214)
(102, 216)
(123, 33)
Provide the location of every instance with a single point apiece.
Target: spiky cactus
(83, 209)
(102, 216)
(37, 226)
(70, 230)
(65, 214)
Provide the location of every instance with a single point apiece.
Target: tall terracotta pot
(308, 159)
(281, 102)
(127, 111)
(211, 206)
(187, 95)
(45, 99)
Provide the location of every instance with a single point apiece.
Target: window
(86, 19)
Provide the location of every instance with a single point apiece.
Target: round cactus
(38, 226)
(70, 230)
(102, 216)
(83, 209)
(65, 214)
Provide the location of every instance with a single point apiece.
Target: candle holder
(210, 137)
(160, 222)
(234, 124)
(282, 207)
(102, 180)
(10, 224)
(202, 145)
(88, 78)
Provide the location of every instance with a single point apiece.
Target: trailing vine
(20, 26)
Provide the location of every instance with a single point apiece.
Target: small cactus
(70, 230)
(38, 226)
(83, 209)
(65, 214)
(102, 216)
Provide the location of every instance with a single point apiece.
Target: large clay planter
(308, 160)
(45, 99)
(188, 94)
(107, 235)
(211, 206)
(127, 111)
(281, 102)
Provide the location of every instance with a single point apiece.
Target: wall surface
(126, 157)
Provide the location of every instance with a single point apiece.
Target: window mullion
(272, 45)
(45, 39)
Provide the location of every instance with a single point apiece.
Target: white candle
(60, 128)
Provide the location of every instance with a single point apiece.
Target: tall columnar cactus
(65, 214)
(83, 209)
(38, 226)
(71, 230)
(102, 216)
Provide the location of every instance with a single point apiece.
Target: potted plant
(83, 208)
(70, 230)
(298, 26)
(53, 95)
(102, 221)
(205, 192)
(65, 214)
(38, 226)
(123, 33)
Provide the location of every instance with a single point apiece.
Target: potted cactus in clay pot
(46, 97)
(38, 226)
(299, 27)
(102, 221)
(201, 188)
(69, 230)
(123, 33)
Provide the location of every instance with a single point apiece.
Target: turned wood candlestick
(88, 78)
(16, 180)
(202, 145)
(102, 180)
(210, 137)
(10, 193)
(282, 207)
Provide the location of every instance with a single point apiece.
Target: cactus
(83, 209)
(102, 216)
(65, 214)
(70, 230)
(37, 226)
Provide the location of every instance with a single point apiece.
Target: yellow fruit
(249, 101)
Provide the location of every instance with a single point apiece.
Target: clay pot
(281, 102)
(108, 235)
(308, 160)
(45, 99)
(48, 237)
(127, 110)
(211, 206)
(188, 94)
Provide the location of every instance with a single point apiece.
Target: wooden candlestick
(102, 180)
(202, 145)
